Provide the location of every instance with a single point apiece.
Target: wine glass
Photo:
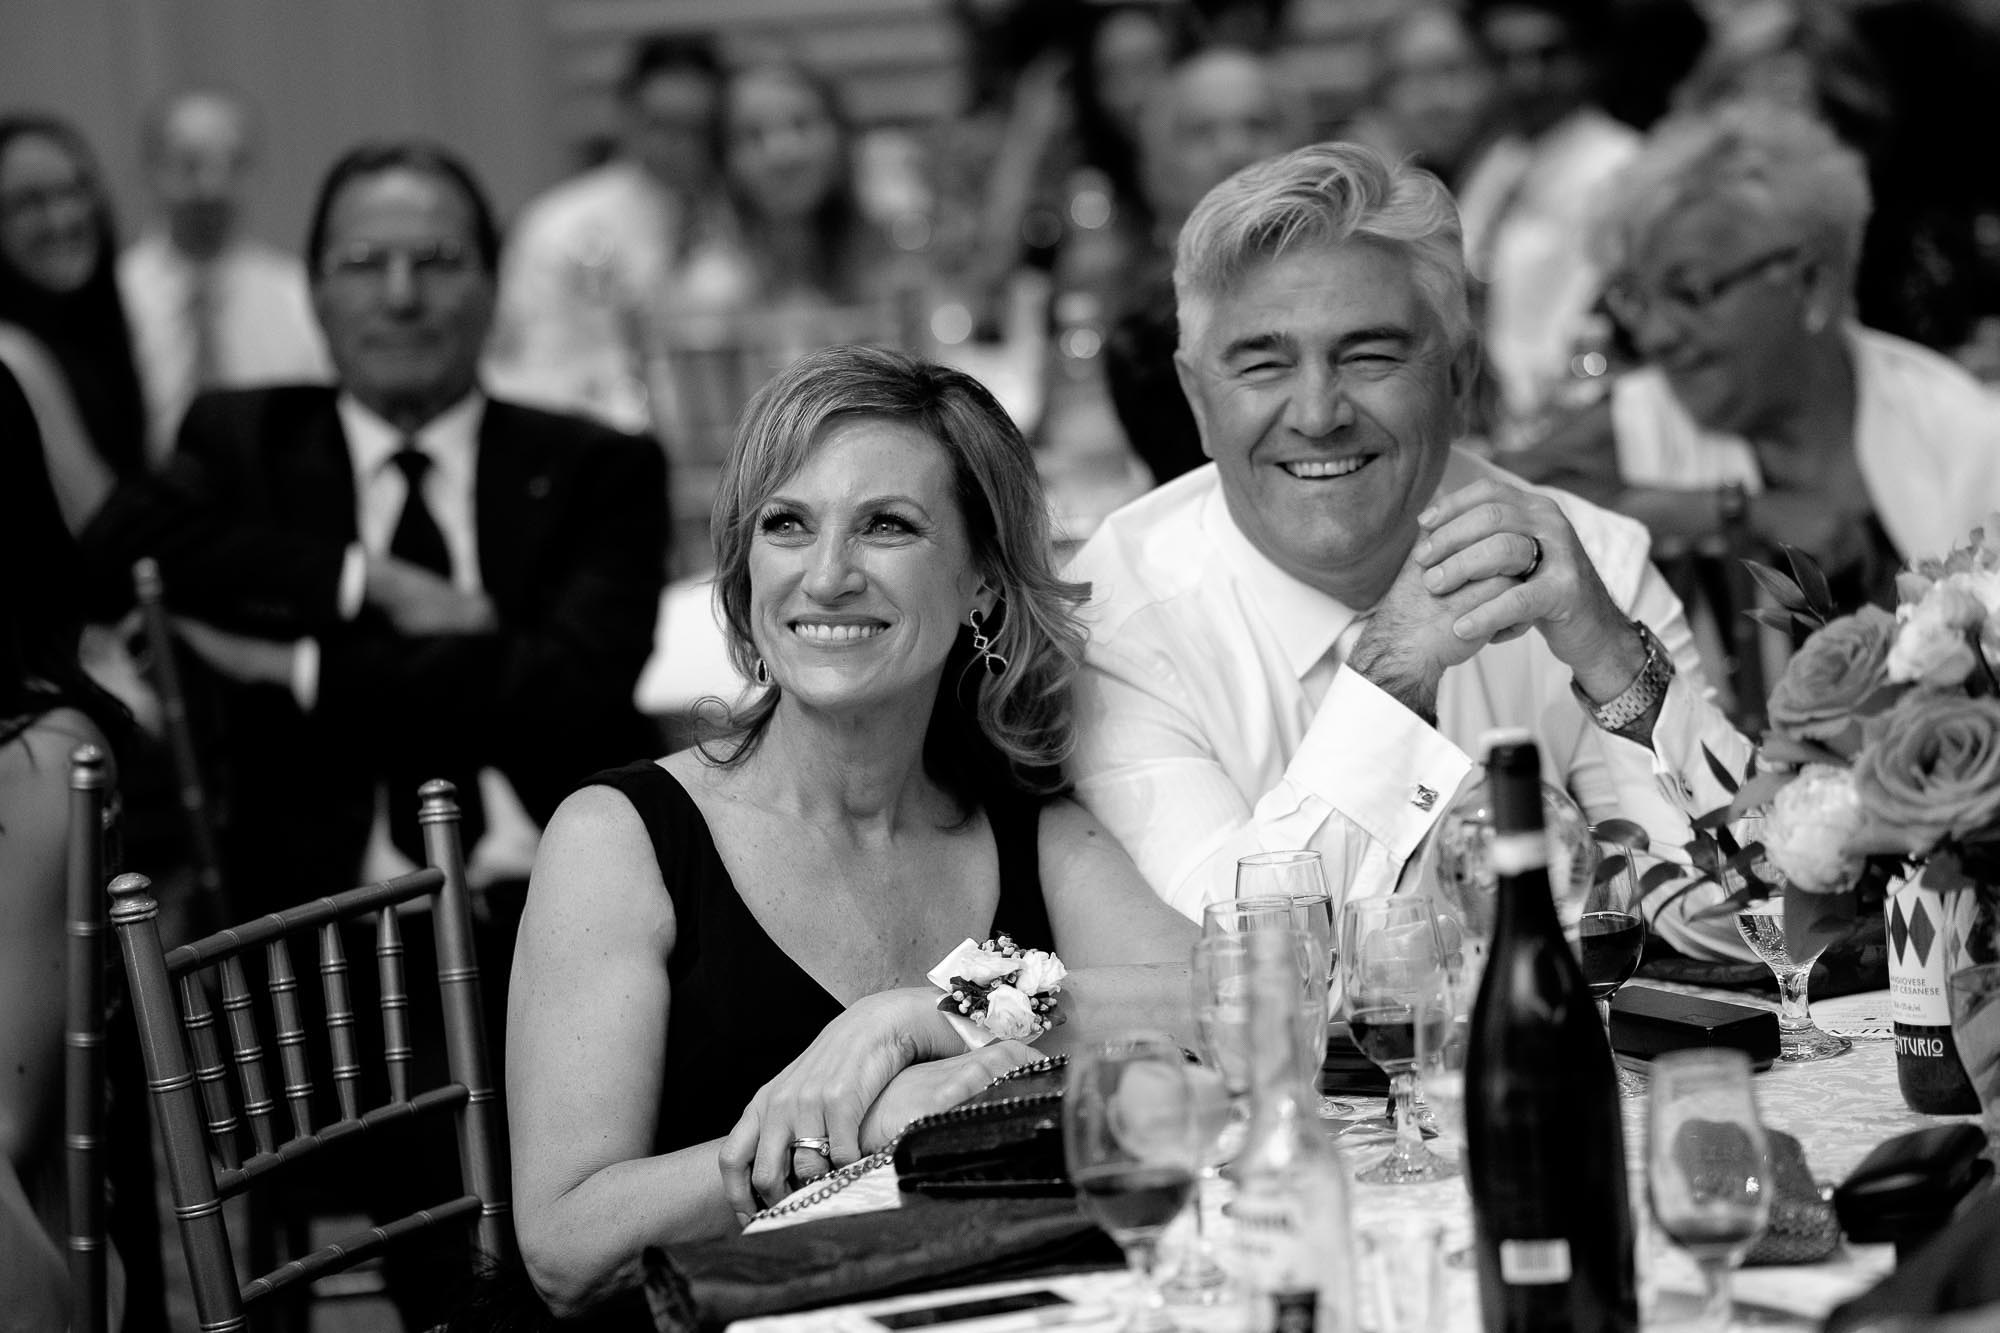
(1611, 934)
(1131, 1137)
(1219, 982)
(1762, 924)
(1708, 1164)
(1299, 877)
(1444, 1035)
(1236, 916)
(1395, 975)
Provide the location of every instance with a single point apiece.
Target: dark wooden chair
(198, 1112)
(84, 1064)
(189, 785)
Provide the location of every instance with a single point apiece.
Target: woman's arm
(1127, 950)
(34, 841)
(586, 1025)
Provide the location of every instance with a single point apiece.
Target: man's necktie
(418, 538)
(203, 372)
(420, 541)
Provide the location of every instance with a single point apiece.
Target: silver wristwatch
(1637, 699)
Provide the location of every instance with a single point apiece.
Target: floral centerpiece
(1882, 758)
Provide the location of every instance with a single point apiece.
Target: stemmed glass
(1236, 916)
(1219, 980)
(1708, 1164)
(1395, 975)
(1131, 1136)
(1299, 876)
(1762, 924)
(1611, 935)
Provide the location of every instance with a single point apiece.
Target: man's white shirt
(1216, 718)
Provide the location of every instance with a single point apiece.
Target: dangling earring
(992, 661)
(761, 673)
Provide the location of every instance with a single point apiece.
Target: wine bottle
(1927, 1065)
(1545, 1146)
(1295, 1246)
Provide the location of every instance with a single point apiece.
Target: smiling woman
(720, 986)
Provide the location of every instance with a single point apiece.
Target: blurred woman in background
(62, 327)
(1732, 244)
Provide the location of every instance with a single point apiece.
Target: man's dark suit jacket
(250, 522)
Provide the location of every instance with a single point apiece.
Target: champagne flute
(1132, 1141)
(1395, 976)
(1611, 935)
(1708, 1165)
(1762, 924)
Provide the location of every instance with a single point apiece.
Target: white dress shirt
(260, 320)
(451, 441)
(1216, 718)
(1926, 434)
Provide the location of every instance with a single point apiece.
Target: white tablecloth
(1839, 1109)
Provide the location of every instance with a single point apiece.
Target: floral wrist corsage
(998, 991)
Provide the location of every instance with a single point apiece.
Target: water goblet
(1219, 982)
(1131, 1136)
(1300, 877)
(1395, 977)
(1708, 1165)
(1762, 924)
(1236, 916)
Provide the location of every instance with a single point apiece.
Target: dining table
(1839, 1109)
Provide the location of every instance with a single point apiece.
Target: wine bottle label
(1272, 1240)
(1516, 852)
(1918, 919)
(1534, 1263)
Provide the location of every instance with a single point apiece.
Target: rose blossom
(1931, 768)
(1832, 674)
(1040, 971)
(1806, 831)
(1932, 646)
(1009, 1016)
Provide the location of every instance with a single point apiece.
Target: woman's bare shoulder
(40, 752)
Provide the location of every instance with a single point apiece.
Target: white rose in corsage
(998, 991)
(1808, 829)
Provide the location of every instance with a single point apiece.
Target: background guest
(1527, 198)
(62, 326)
(210, 307)
(1432, 91)
(724, 951)
(1733, 242)
(591, 261)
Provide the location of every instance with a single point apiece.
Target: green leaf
(1772, 618)
(1815, 921)
(1758, 790)
(1778, 588)
(1718, 818)
(1625, 833)
(1944, 872)
(1728, 780)
(1819, 597)
(1663, 873)
(1610, 868)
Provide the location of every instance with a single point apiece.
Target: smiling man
(1301, 644)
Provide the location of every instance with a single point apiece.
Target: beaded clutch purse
(1006, 1140)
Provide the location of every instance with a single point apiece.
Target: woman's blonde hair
(986, 731)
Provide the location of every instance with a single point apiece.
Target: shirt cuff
(1688, 722)
(1377, 763)
(353, 581)
(305, 674)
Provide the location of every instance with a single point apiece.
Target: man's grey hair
(1778, 170)
(1322, 195)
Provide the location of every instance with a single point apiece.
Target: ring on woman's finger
(824, 1147)
(1534, 561)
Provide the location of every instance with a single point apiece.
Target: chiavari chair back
(223, 1136)
(84, 1064)
(191, 789)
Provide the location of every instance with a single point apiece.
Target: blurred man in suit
(210, 307)
(403, 579)
(407, 578)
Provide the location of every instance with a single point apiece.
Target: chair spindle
(339, 1019)
(283, 981)
(395, 1003)
(249, 1054)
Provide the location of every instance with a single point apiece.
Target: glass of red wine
(1610, 936)
(1708, 1165)
(1393, 976)
(1132, 1135)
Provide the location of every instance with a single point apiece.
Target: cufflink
(1425, 797)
